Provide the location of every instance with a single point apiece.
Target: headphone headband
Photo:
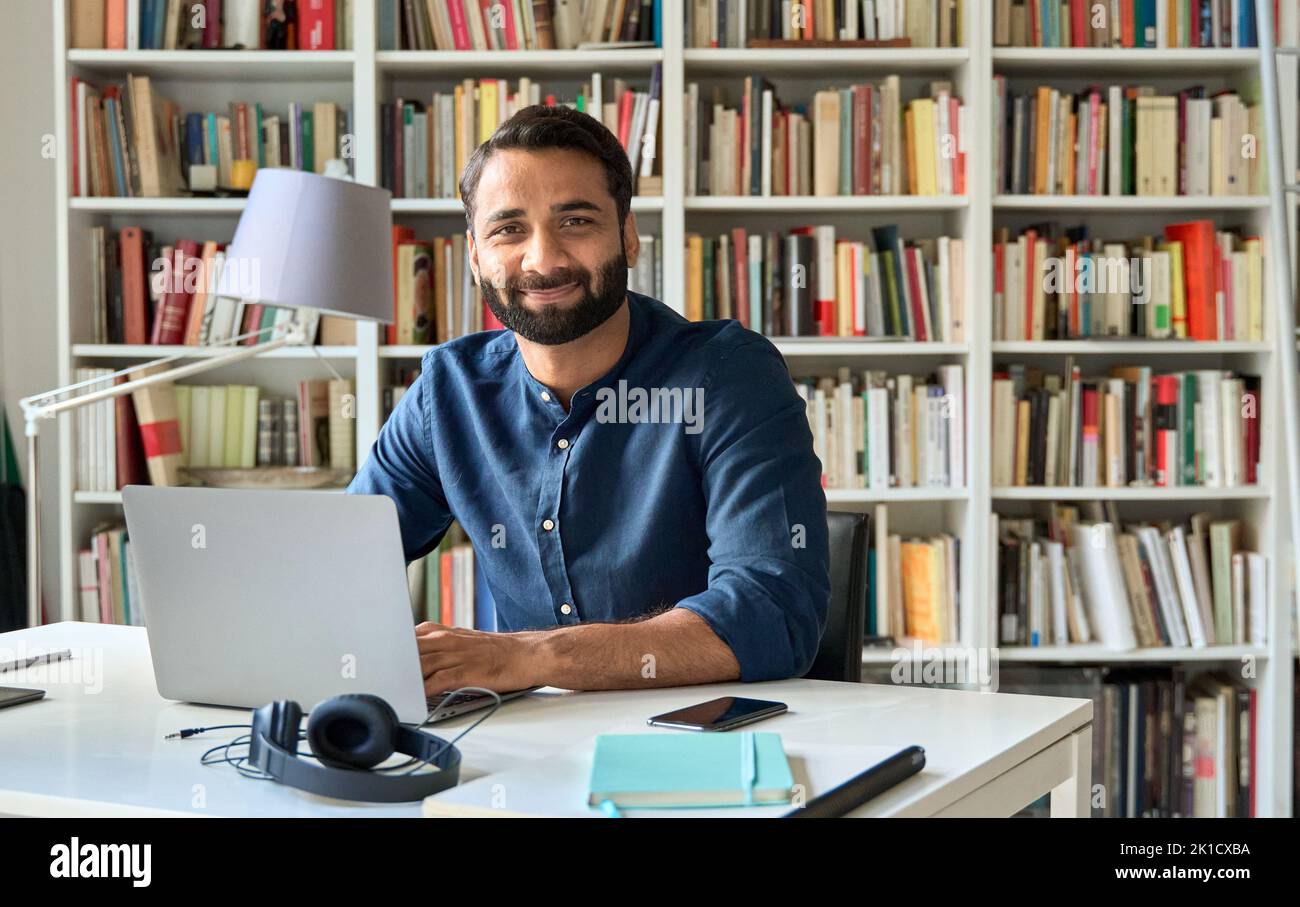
(273, 748)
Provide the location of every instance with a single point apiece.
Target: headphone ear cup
(356, 730)
(278, 722)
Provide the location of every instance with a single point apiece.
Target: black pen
(862, 787)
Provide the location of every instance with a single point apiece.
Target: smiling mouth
(551, 295)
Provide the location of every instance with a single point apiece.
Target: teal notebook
(690, 770)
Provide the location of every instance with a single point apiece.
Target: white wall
(28, 360)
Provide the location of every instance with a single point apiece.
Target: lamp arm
(35, 411)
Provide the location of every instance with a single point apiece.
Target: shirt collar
(638, 330)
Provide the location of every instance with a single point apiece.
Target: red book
(212, 25)
(999, 276)
(459, 26)
(1199, 275)
(400, 235)
(135, 295)
(444, 597)
(511, 42)
(131, 466)
(912, 258)
(625, 117)
(1166, 428)
(1251, 404)
(316, 24)
(1127, 24)
(1031, 241)
(490, 322)
(740, 272)
(252, 322)
(170, 317)
(1078, 23)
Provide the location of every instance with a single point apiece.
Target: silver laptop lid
(253, 596)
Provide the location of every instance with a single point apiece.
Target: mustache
(546, 282)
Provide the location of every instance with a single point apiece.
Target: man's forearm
(674, 648)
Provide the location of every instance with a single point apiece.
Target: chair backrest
(839, 657)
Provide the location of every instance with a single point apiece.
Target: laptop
(251, 596)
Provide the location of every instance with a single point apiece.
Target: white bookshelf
(364, 77)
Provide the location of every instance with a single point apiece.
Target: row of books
(517, 24)
(144, 291)
(1125, 23)
(810, 282)
(210, 24)
(108, 586)
(216, 426)
(1126, 140)
(129, 141)
(875, 430)
(1166, 743)
(1133, 427)
(425, 146)
(447, 585)
(757, 23)
(1150, 584)
(913, 585)
(857, 140)
(1195, 283)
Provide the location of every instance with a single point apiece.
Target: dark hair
(540, 126)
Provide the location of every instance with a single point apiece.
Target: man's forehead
(538, 179)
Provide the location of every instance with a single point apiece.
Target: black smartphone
(719, 714)
(15, 695)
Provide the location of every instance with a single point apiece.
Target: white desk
(94, 745)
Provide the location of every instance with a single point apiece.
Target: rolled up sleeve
(401, 465)
(769, 577)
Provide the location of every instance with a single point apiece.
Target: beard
(552, 325)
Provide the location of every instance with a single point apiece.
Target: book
(689, 770)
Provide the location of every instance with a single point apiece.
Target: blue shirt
(635, 500)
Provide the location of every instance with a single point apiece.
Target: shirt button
(548, 525)
(546, 396)
(566, 609)
(563, 444)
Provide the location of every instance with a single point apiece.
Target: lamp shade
(311, 240)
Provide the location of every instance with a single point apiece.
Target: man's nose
(544, 253)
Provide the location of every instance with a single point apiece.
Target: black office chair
(839, 657)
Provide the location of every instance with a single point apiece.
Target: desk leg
(1070, 799)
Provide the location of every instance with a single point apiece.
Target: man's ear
(631, 242)
(473, 254)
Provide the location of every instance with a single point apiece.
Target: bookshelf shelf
(1120, 347)
(811, 203)
(797, 61)
(226, 65)
(1099, 654)
(183, 205)
(1173, 61)
(818, 347)
(893, 495)
(455, 63)
(365, 77)
(1128, 203)
(150, 351)
(1171, 493)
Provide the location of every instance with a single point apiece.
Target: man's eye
(578, 221)
(505, 228)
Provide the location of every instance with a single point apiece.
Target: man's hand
(452, 657)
